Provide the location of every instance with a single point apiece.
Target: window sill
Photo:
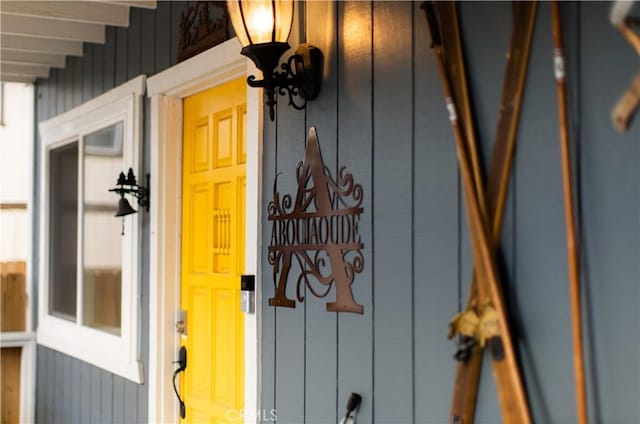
(98, 348)
(16, 338)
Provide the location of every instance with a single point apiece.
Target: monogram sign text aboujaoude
(317, 234)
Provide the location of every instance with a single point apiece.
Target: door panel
(213, 209)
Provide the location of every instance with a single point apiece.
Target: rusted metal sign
(203, 25)
(317, 234)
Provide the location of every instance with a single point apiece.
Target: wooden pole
(572, 251)
(453, 57)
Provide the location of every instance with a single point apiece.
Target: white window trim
(117, 354)
(167, 89)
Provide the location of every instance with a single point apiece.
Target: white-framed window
(89, 285)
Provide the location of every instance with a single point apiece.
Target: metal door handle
(182, 365)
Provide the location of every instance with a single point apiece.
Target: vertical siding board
(435, 235)
(59, 398)
(541, 271)
(393, 373)
(148, 47)
(290, 343)
(110, 58)
(95, 394)
(355, 342)
(59, 107)
(486, 63)
(163, 36)
(143, 402)
(130, 402)
(55, 411)
(87, 72)
(267, 313)
(122, 36)
(118, 401)
(98, 70)
(485, 28)
(76, 391)
(49, 384)
(106, 397)
(134, 47)
(68, 84)
(53, 94)
(41, 382)
(320, 325)
(76, 64)
(610, 170)
(42, 103)
(45, 378)
(290, 340)
(66, 395)
(85, 392)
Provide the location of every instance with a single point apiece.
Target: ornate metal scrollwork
(317, 233)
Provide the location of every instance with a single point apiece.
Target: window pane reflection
(63, 230)
(102, 244)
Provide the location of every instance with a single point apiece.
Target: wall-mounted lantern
(129, 185)
(263, 29)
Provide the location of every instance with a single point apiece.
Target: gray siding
(381, 114)
(68, 390)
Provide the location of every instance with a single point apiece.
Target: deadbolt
(181, 324)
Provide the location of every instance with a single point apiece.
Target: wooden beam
(49, 28)
(40, 45)
(144, 4)
(19, 206)
(26, 70)
(76, 11)
(10, 397)
(32, 58)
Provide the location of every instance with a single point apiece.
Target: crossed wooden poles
(485, 320)
(629, 103)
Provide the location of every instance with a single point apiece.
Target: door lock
(181, 324)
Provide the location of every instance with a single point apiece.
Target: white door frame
(167, 89)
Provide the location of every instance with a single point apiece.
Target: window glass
(63, 225)
(102, 242)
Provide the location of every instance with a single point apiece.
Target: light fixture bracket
(300, 76)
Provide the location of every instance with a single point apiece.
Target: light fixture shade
(261, 21)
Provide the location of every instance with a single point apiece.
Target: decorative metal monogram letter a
(319, 231)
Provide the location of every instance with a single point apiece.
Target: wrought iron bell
(124, 207)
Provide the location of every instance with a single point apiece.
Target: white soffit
(38, 35)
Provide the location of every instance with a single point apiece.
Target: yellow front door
(213, 209)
